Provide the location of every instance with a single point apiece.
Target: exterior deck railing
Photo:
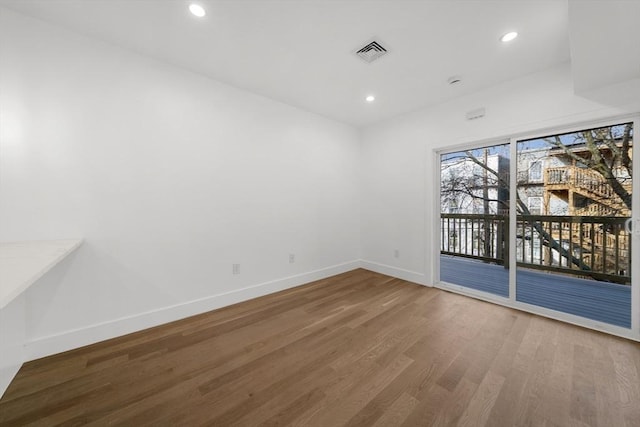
(592, 247)
(591, 184)
(580, 178)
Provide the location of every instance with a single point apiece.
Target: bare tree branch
(556, 142)
(524, 210)
(597, 162)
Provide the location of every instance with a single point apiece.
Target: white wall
(169, 177)
(399, 191)
(12, 338)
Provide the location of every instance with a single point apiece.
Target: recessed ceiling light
(509, 36)
(197, 10)
(370, 98)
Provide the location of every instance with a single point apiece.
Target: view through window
(572, 202)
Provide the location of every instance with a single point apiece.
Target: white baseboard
(44, 346)
(408, 275)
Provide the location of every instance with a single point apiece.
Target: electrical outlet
(236, 268)
(396, 253)
(292, 258)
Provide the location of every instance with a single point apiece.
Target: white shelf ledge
(22, 263)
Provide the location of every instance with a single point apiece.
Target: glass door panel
(573, 249)
(474, 219)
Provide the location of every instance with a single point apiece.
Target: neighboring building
(463, 183)
(470, 188)
(551, 182)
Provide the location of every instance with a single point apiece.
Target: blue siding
(601, 301)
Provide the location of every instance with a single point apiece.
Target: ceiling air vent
(371, 51)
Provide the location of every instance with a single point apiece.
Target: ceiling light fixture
(197, 10)
(509, 36)
(370, 98)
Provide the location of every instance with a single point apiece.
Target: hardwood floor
(358, 349)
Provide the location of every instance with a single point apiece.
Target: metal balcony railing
(593, 247)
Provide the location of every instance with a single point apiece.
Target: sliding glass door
(544, 224)
(573, 246)
(474, 219)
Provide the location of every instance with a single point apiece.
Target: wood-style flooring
(358, 349)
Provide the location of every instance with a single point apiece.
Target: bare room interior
(319, 213)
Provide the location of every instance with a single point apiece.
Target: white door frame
(433, 214)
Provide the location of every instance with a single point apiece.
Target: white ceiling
(301, 52)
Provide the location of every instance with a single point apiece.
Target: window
(535, 205)
(535, 171)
